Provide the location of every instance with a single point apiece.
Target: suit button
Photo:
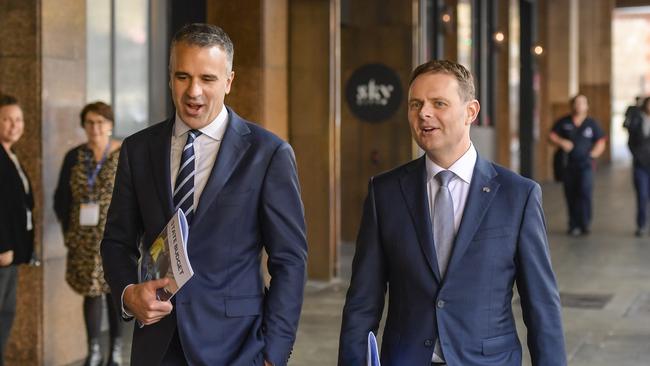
(440, 304)
(428, 343)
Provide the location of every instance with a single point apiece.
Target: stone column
(558, 30)
(314, 128)
(20, 75)
(595, 70)
(42, 62)
(373, 34)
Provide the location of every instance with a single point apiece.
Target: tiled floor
(611, 261)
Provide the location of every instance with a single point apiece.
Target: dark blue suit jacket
(501, 240)
(251, 200)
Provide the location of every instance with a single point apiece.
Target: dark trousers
(93, 317)
(8, 284)
(641, 177)
(174, 355)
(578, 189)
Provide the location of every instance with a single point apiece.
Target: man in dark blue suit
(448, 235)
(238, 186)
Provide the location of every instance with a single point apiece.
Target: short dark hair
(98, 107)
(205, 35)
(465, 79)
(6, 99)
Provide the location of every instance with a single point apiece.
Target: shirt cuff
(125, 313)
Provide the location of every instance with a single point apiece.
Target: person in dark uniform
(582, 139)
(639, 144)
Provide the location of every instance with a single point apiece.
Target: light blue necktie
(443, 221)
(184, 187)
(443, 230)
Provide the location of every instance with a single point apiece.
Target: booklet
(167, 257)
(373, 351)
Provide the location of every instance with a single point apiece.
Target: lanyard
(93, 173)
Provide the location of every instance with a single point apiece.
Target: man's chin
(194, 122)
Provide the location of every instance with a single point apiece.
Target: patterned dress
(84, 272)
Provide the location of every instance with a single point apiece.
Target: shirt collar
(215, 129)
(462, 168)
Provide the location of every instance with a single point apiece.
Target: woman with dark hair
(16, 227)
(81, 201)
(639, 143)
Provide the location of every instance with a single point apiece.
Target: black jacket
(638, 143)
(13, 212)
(63, 193)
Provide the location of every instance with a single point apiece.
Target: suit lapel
(159, 154)
(414, 189)
(482, 190)
(232, 150)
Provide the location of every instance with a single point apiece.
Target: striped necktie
(184, 187)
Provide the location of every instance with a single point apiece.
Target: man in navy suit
(448, 235)
(243, 196)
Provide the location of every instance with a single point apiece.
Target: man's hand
(567, 145)
(141, 301)
(6, 258)
(267, 363)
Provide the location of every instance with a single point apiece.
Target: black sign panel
(374, 92)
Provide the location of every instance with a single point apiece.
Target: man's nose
(194, 89)
(426, 111)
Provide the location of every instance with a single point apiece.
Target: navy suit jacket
(251, 200)
(501, 240)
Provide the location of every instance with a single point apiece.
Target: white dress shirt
(463, 170)
(206, 148)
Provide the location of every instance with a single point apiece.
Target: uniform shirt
(583, 137)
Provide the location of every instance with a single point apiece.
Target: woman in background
(81, 201)
(17, 203)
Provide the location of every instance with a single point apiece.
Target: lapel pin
(486, 189)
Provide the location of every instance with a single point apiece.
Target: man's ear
(229, 82)
(473, 107)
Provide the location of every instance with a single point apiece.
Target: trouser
(174, 356)
(578, 189)
(8, 284)
(93, 317)
(641, 177)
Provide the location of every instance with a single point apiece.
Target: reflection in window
(131, 66)
(98, 51)
(514, 84)
(465, 33)
(117, 50)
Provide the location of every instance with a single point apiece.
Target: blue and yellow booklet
(167, 257)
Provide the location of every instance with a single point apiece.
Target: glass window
(117, 53)
(98, 50)
(131, 66)
(464, 10)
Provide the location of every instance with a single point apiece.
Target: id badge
(89, 214)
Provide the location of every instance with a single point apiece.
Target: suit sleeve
(540, 300)
(283, 234)
(364, 303)
(6, 242)
(119, 247)
(63, 193)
